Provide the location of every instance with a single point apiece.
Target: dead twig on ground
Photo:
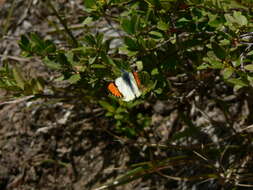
(17, 100)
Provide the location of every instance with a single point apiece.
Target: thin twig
(72, 27)
(21, 59)
(201, 156)
(17, 100)
(243, 185)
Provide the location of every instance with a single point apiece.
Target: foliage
(13, 80)
(163, 39)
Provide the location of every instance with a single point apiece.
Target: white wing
(128, 88)
(134, 85)
(125, 90)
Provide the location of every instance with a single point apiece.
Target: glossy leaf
(249, 67)
(227, 72)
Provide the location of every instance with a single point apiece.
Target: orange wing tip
(114, 90)
(137, 79)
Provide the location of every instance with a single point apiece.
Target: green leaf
(240, 19)
(249, 67)
(92, 60)
(98, 66)
(107, 106)
(88, 20)
(145, 79)
(203, 66)
(156, 34)
(219, 51)
(70, 57)
(127, 26)
(225, 42)
(36, 86)
(89, 39)
(130, 25)
(49, 47)
(89, 3)
(139, 65)
(60, 78)
(99, 39)
(237, 62)
(230, 19)
(135, 20)
(24, 43)
(214, 21)
(107, 59)
(237, 81)
(120, 110)
(119, 116)
(227, 72)
(18, 77)
(51, 64)
(216, 64)
(183, 20)
(236, 20)
(155, 71)
(162, 26)
(250, 78)
(131, 44)
(39, 43)
(250, 53)
(74, 78)
(158, 91)
(24, 40)
(62, 60)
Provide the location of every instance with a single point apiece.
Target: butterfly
(126, 86)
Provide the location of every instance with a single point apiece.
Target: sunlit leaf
(87, 21)
(227, 72)
(249, 67)
(237, 81)
(18, 77)
(241, 19)
(203, 66)
(156, 34)
(51, 64)
(74, 78)
(89, 3)
(162, 26)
